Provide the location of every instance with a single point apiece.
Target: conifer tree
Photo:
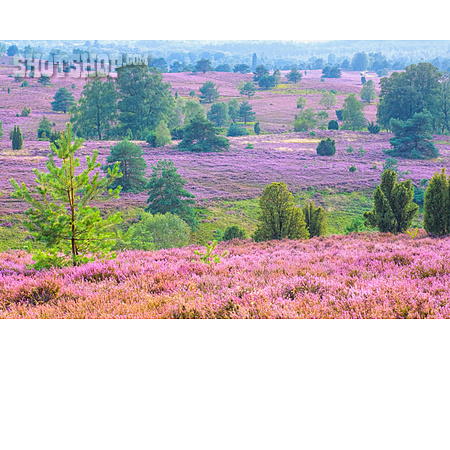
(44, 128)
(17, 138)
(132, 165)
(315, 218)
(60, 215)
(436, 207)
(279, 217)
(167, 193)
(245, 112)
(63, 100)
(393, 208)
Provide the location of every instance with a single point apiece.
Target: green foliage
(305, 120)
(233, 108)
(25, 112)
(44, 79)
(218, 114)
(60, 215)
(167, 194)
(248, 89)
(63, 100)
(339, 114)
(154, 232)
(279, 217)
(393, 208)
(44, 128)
(315, 219)
(391, 164)
(234, 232)
(331, 72)
(1, 129)
(412, 138)
(200, 135)
(209, 257)
(357, 224)
(95, 116)
(17, 138)
(257, 128)
(294, 76)
(412, 91)
(267, 82)
(326, 147)
(352, 168)
(333, 125)
(145, 100)
(209, 92)
(301, 102)
(245, 112)
(352, 114)
(436, 207)
(259, 72)
(328, 100)
(368, 92)
(25, 84)
(160, 137)
(373, 128)
(191, 109)
(203, 65)
(132, 165)
(236, 129)
(241, 68)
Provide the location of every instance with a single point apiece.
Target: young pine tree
(63, 100)
(132, 165)
(436, 207)
(167, 194)
(279, 217)
(393, 208)
(60, 215)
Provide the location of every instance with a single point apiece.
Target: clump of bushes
(373, 128)
(326, 147)
(333, 125)
(25, 112)
(236, 129)
(234, 232)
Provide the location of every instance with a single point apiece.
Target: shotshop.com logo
(74, 65)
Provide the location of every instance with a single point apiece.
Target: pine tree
(167, 193)
(132, 165)
(209, 92)
(279, 217)
(60, 215)
(44, 128)
(436, 207)
(63, 100)
(393, 208)
(245, 112)
(315, 218)
(16, 138)
(218, 114)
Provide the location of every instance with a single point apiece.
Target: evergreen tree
(192, 108)
(60, 215)
(44, 128)
(44, 79)
(132, 165)
(245, 113)
(241, 68)
(259, 72)
(352, 114)
(279, 217)
(203, 65)
(257, 128)
(218, 114)
(393, 208)
(294, 76)
(248, 89)
(17, 138)
(167, 193)
(201, 136)
(145, 100)
(267, 82)
(436, 207)
(96, 113)
(236, 129)
(233, 109)
(315, 219)
(209, 92)
(326, 147)
(412, 138)
(63, 100)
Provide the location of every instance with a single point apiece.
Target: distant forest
(389, 54)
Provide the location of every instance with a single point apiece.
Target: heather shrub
(155, 232)
(233, 232)
(326, 147)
